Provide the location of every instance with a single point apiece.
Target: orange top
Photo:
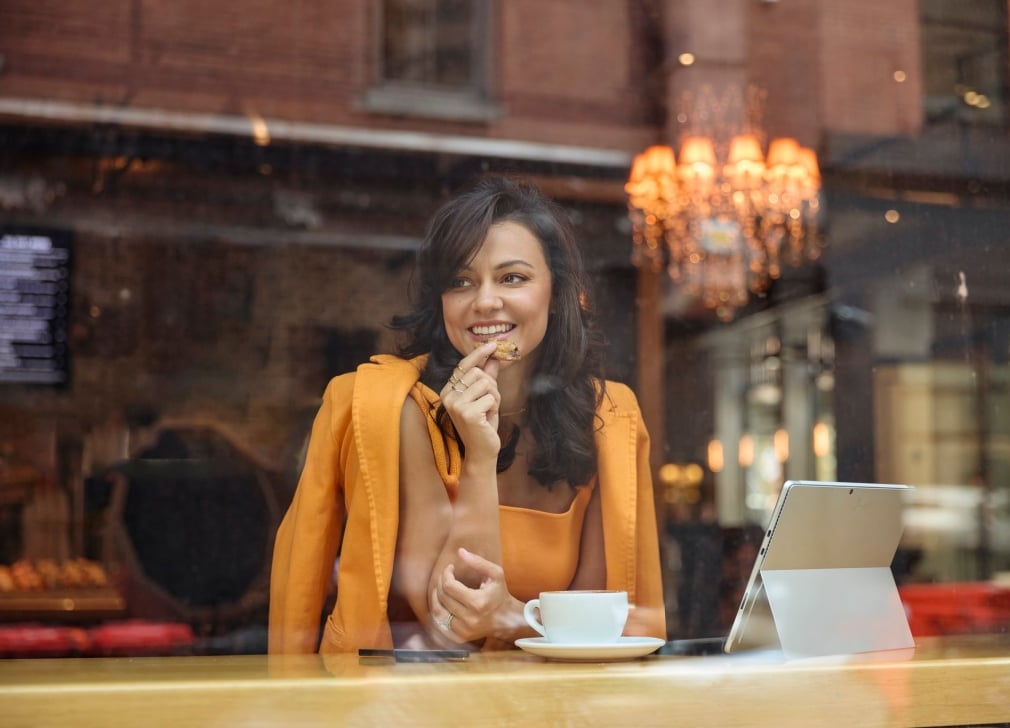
(348, 500)
(540, 550)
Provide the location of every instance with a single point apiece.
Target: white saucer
(624, 649)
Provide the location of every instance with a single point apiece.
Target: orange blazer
(348, 494)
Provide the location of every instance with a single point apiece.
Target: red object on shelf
(138, 638)
(956, 608)
(34, 640)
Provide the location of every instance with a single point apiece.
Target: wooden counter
(950, 681)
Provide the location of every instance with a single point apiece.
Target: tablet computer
(822, 583)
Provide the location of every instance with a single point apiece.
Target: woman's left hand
(471, 398)
(465, 614)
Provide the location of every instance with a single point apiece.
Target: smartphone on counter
(694, 647)
(369, 653)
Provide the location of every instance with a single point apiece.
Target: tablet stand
(821, 612)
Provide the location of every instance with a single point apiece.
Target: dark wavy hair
(566, 385)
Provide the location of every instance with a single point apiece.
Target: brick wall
(566, 67)
(863, 43)
(826, 66)
(784, 58)
(567, 71)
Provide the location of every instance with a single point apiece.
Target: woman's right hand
(471, 398)
(468, 614)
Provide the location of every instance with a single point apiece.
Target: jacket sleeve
(630, 529)
(650, 617)
(309, 535)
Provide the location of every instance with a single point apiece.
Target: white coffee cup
(579, 617)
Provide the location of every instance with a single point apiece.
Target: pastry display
(47, 589)
(47, 574)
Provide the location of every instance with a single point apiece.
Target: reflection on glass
(242, 191)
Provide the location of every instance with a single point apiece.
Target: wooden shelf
(61, 604)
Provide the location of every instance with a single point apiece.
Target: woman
(519, 469)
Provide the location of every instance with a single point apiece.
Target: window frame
(476, 102)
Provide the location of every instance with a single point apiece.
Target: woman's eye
(458, 283)
(513, 278)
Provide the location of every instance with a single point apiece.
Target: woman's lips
(491, 332)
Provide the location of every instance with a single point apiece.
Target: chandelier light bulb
(697, 164)
(783, 153)
(723, 216)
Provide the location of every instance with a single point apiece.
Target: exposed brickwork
(862, 44)
(784, 59)
(561, 51)
(312, 60)
(566, 71)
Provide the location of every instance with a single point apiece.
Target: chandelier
(723, 216)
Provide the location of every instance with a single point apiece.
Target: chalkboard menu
(34, 301)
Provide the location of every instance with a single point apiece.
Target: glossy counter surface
(950, 681)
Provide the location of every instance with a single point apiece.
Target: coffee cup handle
(532, 621)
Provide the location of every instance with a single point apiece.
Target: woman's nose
(487, 298)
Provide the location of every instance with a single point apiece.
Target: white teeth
(491, 330)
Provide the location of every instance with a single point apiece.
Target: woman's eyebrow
(503, 264)
(510, 263)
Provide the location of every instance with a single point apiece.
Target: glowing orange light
(715, 456)
(822, 439)
(781, 441)
(745, 451)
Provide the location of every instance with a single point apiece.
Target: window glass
(433, 60)
(210, 210)
(431, 42)
(964, 52)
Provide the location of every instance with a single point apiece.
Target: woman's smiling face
(504, 292)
